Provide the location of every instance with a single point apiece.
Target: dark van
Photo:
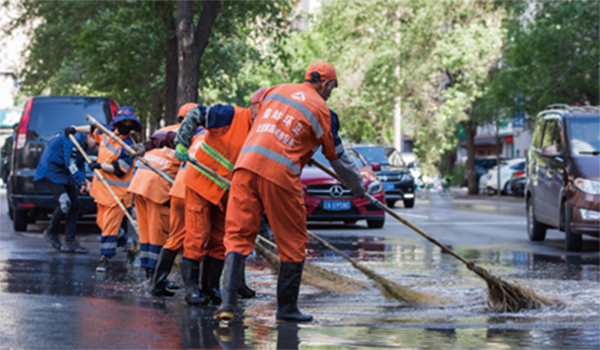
(563, 174)
(43, 118)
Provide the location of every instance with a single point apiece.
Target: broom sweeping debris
(502, 296)
(388, 288)
(313, 275)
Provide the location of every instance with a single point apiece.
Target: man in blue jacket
(62, 169)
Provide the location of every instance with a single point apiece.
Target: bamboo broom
(103, 180)
(502, 296)
(388, 288)
(166, 176)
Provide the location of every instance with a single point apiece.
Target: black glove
(70, 131)
(94, 165)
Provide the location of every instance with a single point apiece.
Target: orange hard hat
(258, 94)
(183, 110)
(326, 71)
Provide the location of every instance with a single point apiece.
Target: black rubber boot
(163, 268)
(244, 292)
(288, 288)
(232, 275)
(211, 276)
(190, 271)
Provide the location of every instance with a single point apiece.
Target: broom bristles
(316, 276)
(507, 297)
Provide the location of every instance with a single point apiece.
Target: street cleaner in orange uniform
(206, 197)
(174, 243)
(152, 201)
(115, 164)
(292, 122)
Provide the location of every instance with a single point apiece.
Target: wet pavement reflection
(59, 301)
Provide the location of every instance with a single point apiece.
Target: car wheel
(376, 223)
(573, 241)
(10, 211)
(409, 203)
(390, 203)
(20, 220)
(535, 229)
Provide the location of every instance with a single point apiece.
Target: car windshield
(318, 156)
(381, 155)
(584, 136)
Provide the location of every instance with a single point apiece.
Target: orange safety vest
(178, 189)
(219, 152)
(291, 123)
(108, 152)
(149, 184)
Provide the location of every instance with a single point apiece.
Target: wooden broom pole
(130, 150)
(103, 180)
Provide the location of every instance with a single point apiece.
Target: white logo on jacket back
(298, 96)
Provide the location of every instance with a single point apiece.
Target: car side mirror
(550, 151)
(375, 166)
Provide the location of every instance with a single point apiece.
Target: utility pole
(398, 105)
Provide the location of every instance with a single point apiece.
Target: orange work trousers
(176, 225)
(251, 195)
(153, 226)
(109, 220)
(204, 226)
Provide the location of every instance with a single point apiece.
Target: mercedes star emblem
(336, 191)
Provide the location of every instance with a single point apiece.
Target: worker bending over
(292, 122)
(62, 168)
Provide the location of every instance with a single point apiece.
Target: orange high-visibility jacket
(227, 128)
(108, 152)
(292, 122)
(149, 184)
(178, 189)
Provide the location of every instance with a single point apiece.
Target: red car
(327, 200)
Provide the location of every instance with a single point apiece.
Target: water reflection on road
(62, 302)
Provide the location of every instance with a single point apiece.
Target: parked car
(482, 165)
(516, 185)
(388, 165)
(43, 118)
(563, 174)
(328, 200)
(507, 169)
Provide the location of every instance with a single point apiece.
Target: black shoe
(74, 247)
(133, 251)
(160, 284)
(211, 276)
(190, 271)
(288, 288)
(103, 264)
(244, 292)
(52, 238)
(232, 275)
(173, 286)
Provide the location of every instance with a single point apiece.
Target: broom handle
(383, 207)
(103, 180)
(224, 180)
(130, 150)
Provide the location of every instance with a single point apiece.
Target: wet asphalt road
(53, 300)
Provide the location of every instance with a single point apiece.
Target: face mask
(124, 129)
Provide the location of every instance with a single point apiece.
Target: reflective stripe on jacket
(109, 152)
(149, 184)
(292, 122)
(226, 132)
(178, 189)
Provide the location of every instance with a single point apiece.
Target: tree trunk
(171, 106)
(191, 44)
(470, 131)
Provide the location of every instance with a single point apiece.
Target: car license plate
(389, 187)
(337, 205)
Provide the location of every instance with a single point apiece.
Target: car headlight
(374, 187)
(587, 186)
(406, 178)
